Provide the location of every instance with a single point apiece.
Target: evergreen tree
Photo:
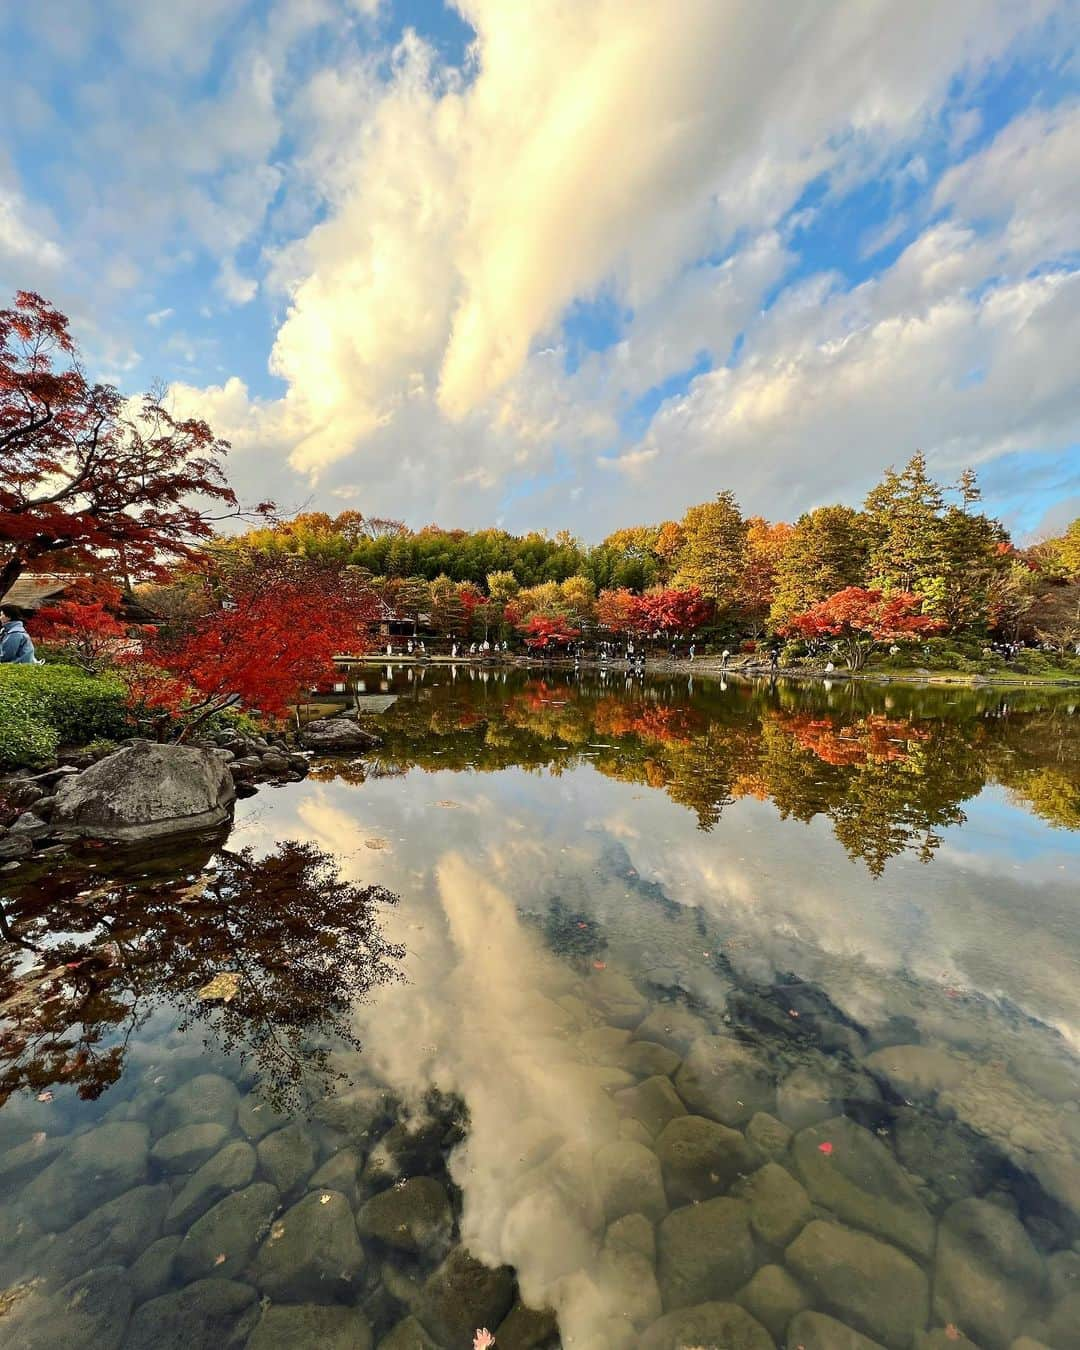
(903, 519)
(825, 553)
(713, 552)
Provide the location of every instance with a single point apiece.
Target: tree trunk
(10, 573)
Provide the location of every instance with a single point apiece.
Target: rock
(14, 846)
(709, 1324)
(953, 1339)
(92, 1310)
(229, 1170)
(29, 826)
(19, 1164)
(722, 1079)
(152, 1273)
(633, 1232)
(338, 1173)
(774, 1298)
(646, 1059)
(704, 1250)
(408, 1335)
(779, 1207)
(653, 1102)
(256, 1117)
(861, 1182)
(769, 1135)
(1063, 1269)
(812, 1094)
(187, 1148)
(1063, 1327)
(357, 1114)
(628, 1280)
(232, 1229)
(672, 1027)
(603, 1045)
(917, 1072)
(407, 1149)
(206, 1099)
(413, 1217)
(867, 1283)
(336, 736)
(815, 1331)
(987, 1272)
(312, 1253)
(113, 1234)
(616, 998)
(282, 1327)
(629, 1179)
(206, 1315)
(94, 1167)
(701, 1158)
(145, 791)
(287, 1156)
(952, 1159)
(526, 1328)
(464, 1294)
(632, 1129)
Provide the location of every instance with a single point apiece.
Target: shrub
(24, 740)
(76, 707)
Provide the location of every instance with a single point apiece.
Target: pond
(708, 1014)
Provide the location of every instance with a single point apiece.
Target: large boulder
(779, 1207)
(93, 1169)
(206, 1315)
(815, 1331)
(92, 1310)
(224, 1240)
(115, 1233)
(231, 1169)
(629, 1179)
(869, 1284)
(464, 1294)
(144, 791)
(413, 1217)
(312, 1253)
(701, 1158)
(723, 1079)
(289, 1327)
(774, 1298)
(337, 736)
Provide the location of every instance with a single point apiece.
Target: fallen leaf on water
(220, 1259)
(278, 1230)
(599, 965)
(483, 1339)
(376, 843)
(39, 1137)
(45, 1096)
(825, 1148)
(952, 1331)
(223, 987)
(583, 925)
(792, 1012)
(324, 1199)
(448, 804)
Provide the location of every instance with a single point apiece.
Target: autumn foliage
(88, 474)
(86, 623)
(274, 634)
(543, 632)
(858, 618)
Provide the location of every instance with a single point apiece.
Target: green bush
(24, 740)
(77, 708)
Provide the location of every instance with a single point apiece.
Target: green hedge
(42, 707)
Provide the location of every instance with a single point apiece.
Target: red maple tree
(87, 473)
(669, 610)
(275, 633)
(858, 618)
(544, 631)
(86, 623)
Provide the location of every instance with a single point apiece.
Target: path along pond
(707, 1015)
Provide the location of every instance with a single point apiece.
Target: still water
(707, 1015)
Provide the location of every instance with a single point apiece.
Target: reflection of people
(16, 646)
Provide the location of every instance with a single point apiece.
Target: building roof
(32, 590)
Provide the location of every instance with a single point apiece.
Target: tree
(275, 633)
(667, 610)
(543, 632)
(902, 515)
(969, 556)
(765, 548)
(859, 618)
(448, 613)
(87, 474)
(714, 549)
(824, 553)
(617, 611)
(85, 624)
(1010, 595)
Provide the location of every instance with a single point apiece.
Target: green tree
(448, 614)
(713, 552)
(825, 553)
(903, 519)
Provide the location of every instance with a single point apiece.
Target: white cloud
(158, 317)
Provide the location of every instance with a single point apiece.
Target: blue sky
(565, 263)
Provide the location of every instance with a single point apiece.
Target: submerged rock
(229, 1170)
(653, 1102)
(768, 1134)
(672, 1027)
(633, 1232)
(144, 791)
(857, 1178)
(987, 1272)
(152, 1273)
(645, 1059)
(917, 1072)
(628, 1176)
(779, 1206)
(464, 1294)
(815, 1331)
(869, 1284)
(814, 1093)
(774, 1298)
(336, 736)
(187, 1148)
(206, 1315)
(312, 1253)
(94, 1167)
(704, 1250)
(722, 1079)
(287, 1156)
(206, 1098)
(117, 1232)
(224, 1240)
(708, 1324)
(409, 1334)
(526, 1328)
(617, 998)
(413, 1217)
(285, 1327)
(92, 1310)
(701, 1158)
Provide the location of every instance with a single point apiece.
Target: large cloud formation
(434, 225)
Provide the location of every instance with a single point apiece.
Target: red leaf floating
(825, 1148)
(599, 965)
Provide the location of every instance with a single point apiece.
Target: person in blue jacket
(16, 647)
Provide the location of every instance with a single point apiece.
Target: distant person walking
(723, 661)
(774, 658)
(16, 646)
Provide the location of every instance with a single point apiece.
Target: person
(724, 660)
(693, 649)
(16, 646)
(774, 658)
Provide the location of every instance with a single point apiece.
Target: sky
(567, 263)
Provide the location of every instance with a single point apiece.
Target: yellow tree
(765, 545)
(713, 552)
